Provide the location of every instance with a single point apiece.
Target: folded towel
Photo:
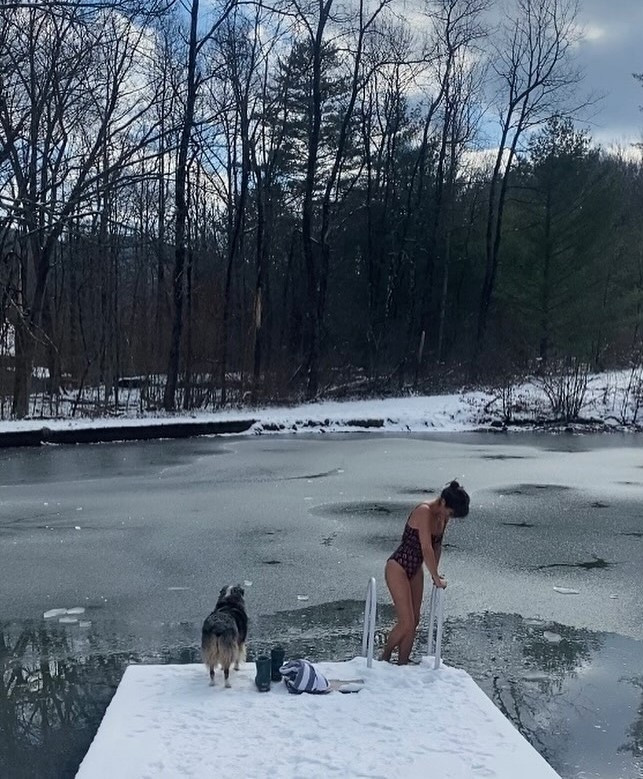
(302, 676)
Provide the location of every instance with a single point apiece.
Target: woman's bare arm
(424, 521)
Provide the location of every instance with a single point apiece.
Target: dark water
(577, 697)
(142, 536)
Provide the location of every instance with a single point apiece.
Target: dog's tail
(220, 650)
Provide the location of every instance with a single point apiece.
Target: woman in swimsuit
(421, 543)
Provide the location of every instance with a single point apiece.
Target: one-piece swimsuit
(409, 552)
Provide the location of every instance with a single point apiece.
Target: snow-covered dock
(412, 721)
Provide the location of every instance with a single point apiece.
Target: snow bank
(436, 412)
(165, 721)
(447, 413)
(615, 398)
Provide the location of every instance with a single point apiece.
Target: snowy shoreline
(608, 405)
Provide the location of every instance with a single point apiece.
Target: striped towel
(302, 676)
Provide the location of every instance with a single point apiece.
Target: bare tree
(461, 122)
(458, 29)
(241, 46)
(193, 80)
(317, 20)
(59, 112)
(533, 65)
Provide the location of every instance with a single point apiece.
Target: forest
(242, 202)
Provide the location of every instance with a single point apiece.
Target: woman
(421, 542)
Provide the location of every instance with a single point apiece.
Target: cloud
(609, 52)
(593, 32)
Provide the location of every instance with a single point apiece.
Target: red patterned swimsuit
(409, 552)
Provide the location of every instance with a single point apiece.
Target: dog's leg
(211, 676)
(226, 674)
(241, 657)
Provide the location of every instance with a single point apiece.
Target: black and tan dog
(223, 638)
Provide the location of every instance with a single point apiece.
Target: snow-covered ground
(166, 721)
(614, 399)
(439, 412)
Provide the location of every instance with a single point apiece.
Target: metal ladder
(436, 622)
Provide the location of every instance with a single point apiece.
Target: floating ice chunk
(613, 596)
(76, 610)
(77, 527)
(535, 676)
(68, 620)
(54, 613)
(553, 638)
(566, 591)
(79, 508)
(247, 583)
(303, 597)
(85, 623)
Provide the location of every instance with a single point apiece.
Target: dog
(223, 638)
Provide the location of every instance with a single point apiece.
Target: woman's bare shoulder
(420, 515)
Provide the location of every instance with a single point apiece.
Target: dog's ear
(222, 592)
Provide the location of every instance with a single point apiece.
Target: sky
(610, 52)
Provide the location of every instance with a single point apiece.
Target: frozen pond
(142, 536)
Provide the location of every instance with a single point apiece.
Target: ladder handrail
(436, 624)
(370, 612)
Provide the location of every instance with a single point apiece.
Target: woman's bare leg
(400, 589)
(417, 588)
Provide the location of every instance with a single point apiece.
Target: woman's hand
(439, 582)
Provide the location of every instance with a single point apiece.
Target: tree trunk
(545, 289)
(181, 202)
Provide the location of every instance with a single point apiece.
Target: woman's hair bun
(456, 498)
